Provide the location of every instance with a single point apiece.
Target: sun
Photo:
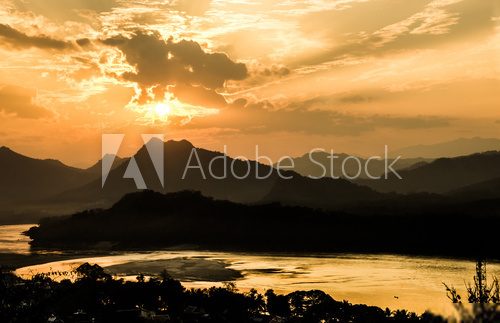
(162, 109)
(170, 110)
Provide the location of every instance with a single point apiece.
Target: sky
(289, 76)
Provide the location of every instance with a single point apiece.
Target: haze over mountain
(454, 148)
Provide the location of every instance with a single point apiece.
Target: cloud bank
(18, 39)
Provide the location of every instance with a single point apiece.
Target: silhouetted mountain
(319, 193)
(454, 148)
(244, 190)
(308, 165)
(51, 185)
(97, 167)
(442, 175)
(28, 180)
(485, 190)
(152, 220)
(29, 187)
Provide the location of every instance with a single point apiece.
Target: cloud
(307, 117)
(192, 7)
(161, 64)
(18, 39)
(355, 99)
(198, 96)
(275, 70)
(84, 42)
(19, 101)
(65, 10)
(436, 23)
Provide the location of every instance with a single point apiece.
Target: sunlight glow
(162, 109)
(169, 111)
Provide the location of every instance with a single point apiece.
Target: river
(394, 281)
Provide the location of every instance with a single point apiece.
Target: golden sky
(352, 75)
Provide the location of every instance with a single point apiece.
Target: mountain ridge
(453, 148)
(442, 175)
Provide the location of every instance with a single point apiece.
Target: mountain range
(33, 188)
(444, 175)
(319, 163)
(298, 190)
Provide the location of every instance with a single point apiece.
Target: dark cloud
(17, 39)
(181, 64)
(355, 99)
(19, 101)
(276, 71)
(84, 42)
(306, 117)
(260, 74)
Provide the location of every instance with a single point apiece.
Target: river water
(394, 281)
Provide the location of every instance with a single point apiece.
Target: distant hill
(442, 175)
(454, 148)
(152, 220)
(307, 165)
(97, 167)
(28, 186)
(25, 179)
(484, 190)
(326, 193)
(243, 190)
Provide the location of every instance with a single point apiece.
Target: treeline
(147, 219)
(97, 297)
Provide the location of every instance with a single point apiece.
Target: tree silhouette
(484, 299)
(90, 272)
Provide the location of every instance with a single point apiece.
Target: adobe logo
(154, 145)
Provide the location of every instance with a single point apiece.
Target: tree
(94, 272)
(277, 305)
(484, 299)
